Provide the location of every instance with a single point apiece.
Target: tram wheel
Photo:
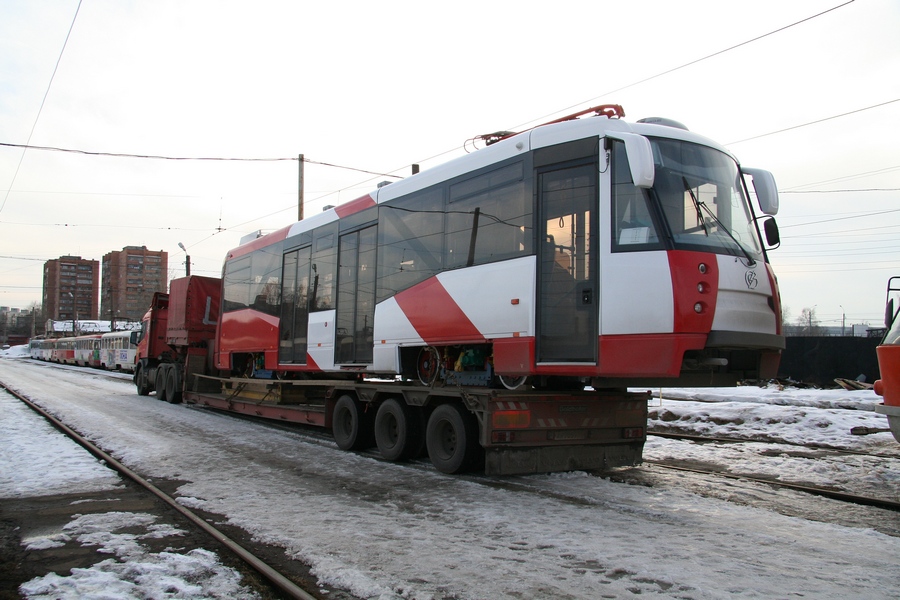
(350, 426)
(452, 438)
(427, 365)
(161, 383)
(398, 430)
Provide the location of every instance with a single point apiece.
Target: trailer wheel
(140, 380)
(398, 430)
(350, 426)
(161, 382)
(173, 391)
(452, 438)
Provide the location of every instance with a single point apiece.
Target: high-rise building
(130, 278)
(71, 288)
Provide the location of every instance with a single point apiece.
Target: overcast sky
(812, 97)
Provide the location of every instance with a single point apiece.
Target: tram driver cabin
(522, 288)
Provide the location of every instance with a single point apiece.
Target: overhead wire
(43, 101)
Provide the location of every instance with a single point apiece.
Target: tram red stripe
(436, 317)
(354, 206)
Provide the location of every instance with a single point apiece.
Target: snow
(387, 531)
(135, 572)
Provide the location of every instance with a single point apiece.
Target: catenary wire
(43, 101)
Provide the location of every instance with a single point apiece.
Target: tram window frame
(324, 266)
(634, 224)
(491, 195)
(410, 241)
(236, 286)
(265, 280)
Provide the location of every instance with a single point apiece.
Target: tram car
(888, 352)
(590, 251)
(117, 350)
(87, 350)
(41, 348)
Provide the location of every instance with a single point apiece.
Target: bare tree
(808, 323)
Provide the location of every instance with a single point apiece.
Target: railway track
(834, 494)
(734, 440)
(271, 575)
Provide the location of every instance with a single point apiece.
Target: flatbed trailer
(514, 432)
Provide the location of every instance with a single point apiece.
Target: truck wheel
(398, 431)
(452, 438)
(161, 383)
(173, 391)
(350, 426)
(140, 380)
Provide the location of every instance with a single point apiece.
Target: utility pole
(300, 189)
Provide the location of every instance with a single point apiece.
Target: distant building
(130, 278)
(71, 288)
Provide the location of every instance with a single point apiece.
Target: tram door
(568, 300)
(355, 315)
(295, 300)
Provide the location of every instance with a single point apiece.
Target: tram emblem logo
(752, 281)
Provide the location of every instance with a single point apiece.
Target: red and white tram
(87, 350)
(591, 251)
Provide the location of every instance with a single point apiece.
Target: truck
(176, 337)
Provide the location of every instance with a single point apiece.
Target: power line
(189, 158)
(858, 110)
(693, 62)
(839, 191)
(844, 218)
(46, 93)
(117, 226)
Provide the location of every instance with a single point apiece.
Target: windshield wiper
(700, 220)
(700, 205)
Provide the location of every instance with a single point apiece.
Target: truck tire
(173, 389)
(161, 382)
(398, 430)
(350, 426)
(452, 439)
(141, 382)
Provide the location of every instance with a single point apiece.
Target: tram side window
(324, 267)
(236, 287)
(265, 280)
(488, 218)
(632, 222)
(410, 234)
(253, 281)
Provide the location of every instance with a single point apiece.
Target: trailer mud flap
(519, 461)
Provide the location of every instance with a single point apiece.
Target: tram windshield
(702, 199)
(698, 191)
